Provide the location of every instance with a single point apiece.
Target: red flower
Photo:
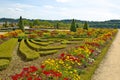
(42, 66)
(33, 68)
(62, 55)
(46, 73)
(65, 79)
(38, 78)
(25, 69)
(30, 78)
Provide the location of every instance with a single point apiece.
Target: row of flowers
(8, 35)
(68, 65)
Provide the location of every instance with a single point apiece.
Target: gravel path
(109, 68)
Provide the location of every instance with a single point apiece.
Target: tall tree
(57, 25)
(77, 26)
(20, 24)
(73, 26)
(5, 25)
(85, 26)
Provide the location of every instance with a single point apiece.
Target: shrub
(4, 63)
(40, 43)
(44, 53)
(28, 53)
(6, 49)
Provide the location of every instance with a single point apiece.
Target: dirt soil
(109, 69)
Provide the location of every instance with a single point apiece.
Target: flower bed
(69, 66)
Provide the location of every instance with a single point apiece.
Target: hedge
(40, 43)
(27, 53)
(7, 48)
(41, 48)
(4, 63)
(44, 53)
(53, 47)
(32, 45)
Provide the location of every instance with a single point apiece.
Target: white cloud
(49, 6)
(63, 1)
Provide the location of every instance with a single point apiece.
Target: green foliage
(28, 53)
(77, 26)
(44, 53)
(20, 24)
(73, 26)
(32, 45)
(85, 26)
(53, 47)
(4, 63)
(40, 43)
(7, 48)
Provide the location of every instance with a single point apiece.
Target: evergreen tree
(73, 27)
(57, 26)
(20, 24)
(85, 26)
(5, 25)
(77, 26)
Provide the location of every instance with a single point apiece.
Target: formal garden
(59, 54)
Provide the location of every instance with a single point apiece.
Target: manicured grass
(7, 48)
(28, 53)
(4, 63)
(89, 71)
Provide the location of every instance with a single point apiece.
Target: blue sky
(92, 10)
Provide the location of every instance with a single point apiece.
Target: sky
(90, 10)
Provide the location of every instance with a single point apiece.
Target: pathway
(109, 68)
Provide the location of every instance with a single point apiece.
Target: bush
(53, 47)
(32, 45)
(6, 49)
(28, 53)
(4, 63)
(40, 43)
(44, 53)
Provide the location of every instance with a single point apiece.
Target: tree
(36, 22)
(5, 25)
(73, 27)
(57, 25)
(77, 26)
(85, 26)
(20, 24)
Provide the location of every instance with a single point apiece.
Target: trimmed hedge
(32, 45)
(44, 53)
(27, 53)
(53, 47)
(41, 48)
(7, 48)
(76, 39)
(4, 63)
(40, 43)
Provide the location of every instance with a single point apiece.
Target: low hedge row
(42, 48)
(76, 39)
(44, 53)
(52, 47)
(4, 63)
(6, 48)
(32, 45)
(27, 53)
(40, 43)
